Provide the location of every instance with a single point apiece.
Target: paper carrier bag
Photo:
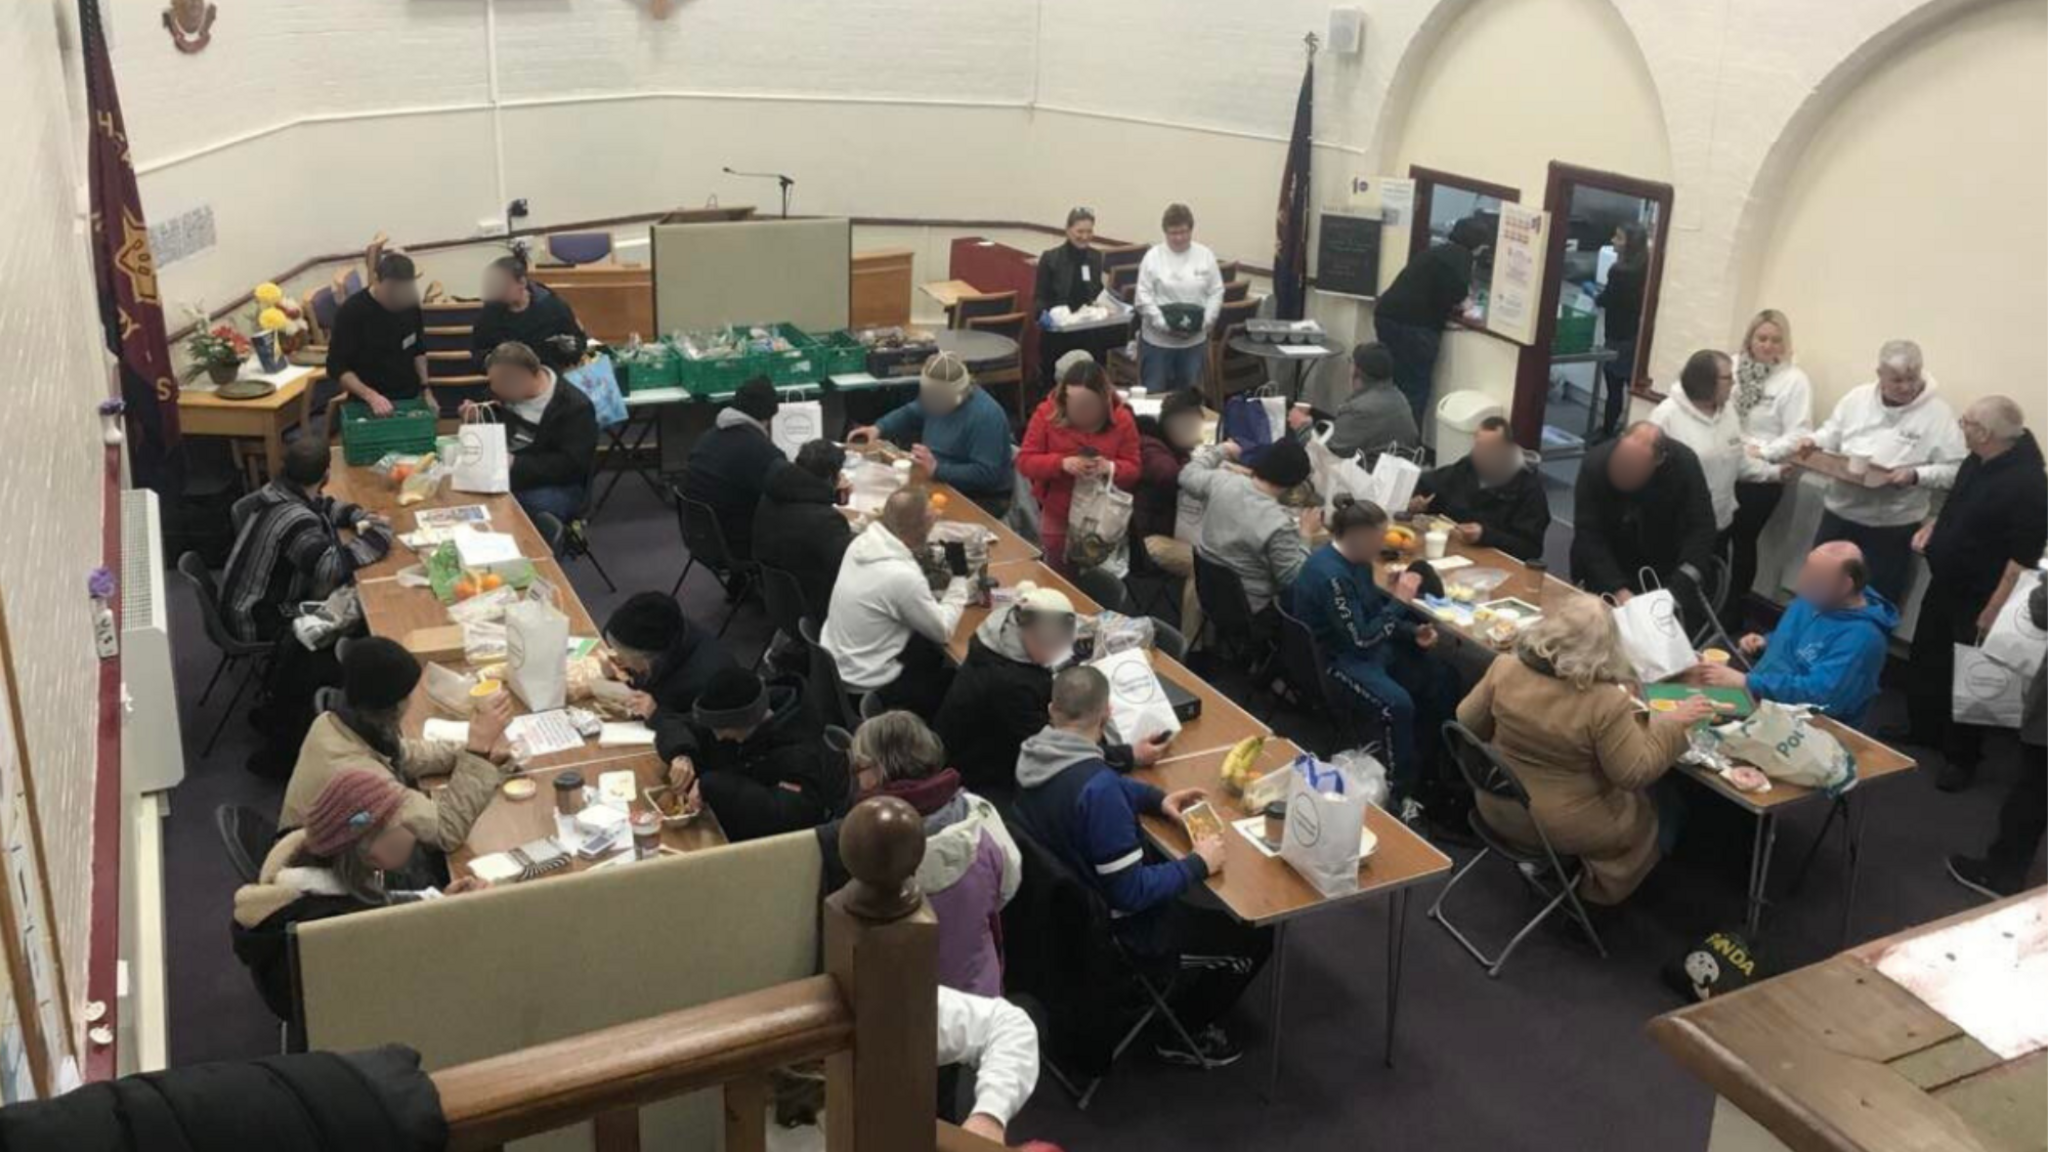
(2013, 640)
(796, 423)
(1984, 691)
(1326, 805)
(1138, 705)
(1653, 635)
(537, 654)
(482, 462)
(1394, 478)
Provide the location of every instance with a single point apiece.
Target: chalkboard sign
(1348, 255)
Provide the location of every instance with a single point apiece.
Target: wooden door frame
(1532, 366)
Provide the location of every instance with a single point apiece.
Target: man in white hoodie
(1700, 417)
(1909, 435)
(886, 630)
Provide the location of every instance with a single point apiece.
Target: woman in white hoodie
(1774, 400)
(886, 630)
(1700, 417)
(1180, 294)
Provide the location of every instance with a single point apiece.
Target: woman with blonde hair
(1773, 400)
(1562, 712)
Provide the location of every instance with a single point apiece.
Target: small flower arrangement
(219, 349)
(279, 313)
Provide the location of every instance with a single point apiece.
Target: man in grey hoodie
(1085, 813)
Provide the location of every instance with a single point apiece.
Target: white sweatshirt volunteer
(1717, 441)
(996, 1039)
(1169, 277)
(880, 600)
(1922, 436)
(1783, 415)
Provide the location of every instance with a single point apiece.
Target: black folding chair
(1150, 585)
(1306, 670)
(1227, 612)
(247, 836)
(833, 702)
(249, 657)
(1103, 587)
(1555, 878)
(783, 596)
(574, 542)
(1166, 638)
(704, 539)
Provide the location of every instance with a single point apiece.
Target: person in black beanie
(730, 464)
(1244, 526)
(666, 659)
(751, 752)
(798, 527)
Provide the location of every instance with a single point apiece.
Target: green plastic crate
(366, 439)
(650, 366)
(838, 353)
(1574, 332)
(724, 377)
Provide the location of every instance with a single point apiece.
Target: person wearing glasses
(1069, 276)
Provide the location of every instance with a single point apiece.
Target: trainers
(1213, 1049)
(1977, 876)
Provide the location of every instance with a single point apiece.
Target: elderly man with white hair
(1993, 526)
(1909, 435)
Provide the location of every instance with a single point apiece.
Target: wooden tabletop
(1259, 889)
(1220, 726)
(1835, 466)
(363, 487)
(508, 823)
(948, 292)
(1836, 1057)
(1874, 761)
(396, 610)
(291, 384)
(1008, 547)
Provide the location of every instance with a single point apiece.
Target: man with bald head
(886, 629)
(1828, 647)
(1642, 503)
(1993, 527)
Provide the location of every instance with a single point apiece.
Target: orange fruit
(940, 500)
(465, 588)
(491, 582)
(400, 471)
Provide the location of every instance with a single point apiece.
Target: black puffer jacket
(680, 673)
(788, 749)
(799, 529)
(309, 1103)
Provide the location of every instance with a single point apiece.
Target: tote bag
(483, 463)
(1098, 520)
(1983, 691)
(600, 381)
(1653, 636)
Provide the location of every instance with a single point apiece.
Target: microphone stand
(787, 182)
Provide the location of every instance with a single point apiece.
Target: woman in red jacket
(1083, 429)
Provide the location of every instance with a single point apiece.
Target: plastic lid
(568, 780)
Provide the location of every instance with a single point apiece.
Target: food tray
(366, 439)
(1471, 585)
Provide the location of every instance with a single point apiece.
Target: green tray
(1574, 332)
(837, 353)
(366, 439)
(724, 377)
(651, 366)
(1743, 703)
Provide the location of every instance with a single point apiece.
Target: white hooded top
(879, 601)
(1922, 435)
(1717, 441)
(1782, 416)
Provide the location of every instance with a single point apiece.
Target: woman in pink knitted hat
(333, 865)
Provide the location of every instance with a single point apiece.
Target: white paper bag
(2013, 640)
(1137, 702)
(482, 462)
(1276, 414)
(1986, 692)
(1653, 635)
(1394, 478)
(796, 423)
(537, 654)
(1326, 806)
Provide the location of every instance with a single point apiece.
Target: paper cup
(1435, 544)
(1859, 464)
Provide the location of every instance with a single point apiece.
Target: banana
(1237, 764)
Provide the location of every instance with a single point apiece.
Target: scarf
(1749, 384)
(929, 796)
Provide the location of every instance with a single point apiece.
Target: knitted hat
(735, 699)
(757, 399)
(1076, 356)
(1373, 362)
(378, 673)
(945, 374)
(646, 622)
(353, 805)
(1284, 464)
(1031, 598)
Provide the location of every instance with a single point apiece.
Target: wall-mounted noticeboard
(1516, 294)
(1348, 255)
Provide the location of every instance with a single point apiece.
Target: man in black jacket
(1410, 316)
(550, 429)
(669, 660)
(730, 464)
(518, 310)
(1494, 494)
(1642, 503)
(377, 351)
(754, 753)
(1992, 528)
(798, 526)
(1000, 695)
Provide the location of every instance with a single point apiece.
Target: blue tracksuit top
(1349, 615)
(1828, 659)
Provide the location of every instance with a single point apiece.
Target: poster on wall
(1397, 201)
(1517, 288)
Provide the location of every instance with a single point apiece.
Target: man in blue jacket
(1828, 648)
(1082, 811)
(957, 433)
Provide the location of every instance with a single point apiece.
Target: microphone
(786, 181)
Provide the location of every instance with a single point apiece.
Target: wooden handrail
(491, 1101)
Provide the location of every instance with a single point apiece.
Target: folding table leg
(1276, 1000)
(1852, 837)
(1760, 870)
(1397, 947)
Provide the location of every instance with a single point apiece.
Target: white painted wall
(1922, 186)
(50, 482)
(310, 124)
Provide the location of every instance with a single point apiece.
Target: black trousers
(748, 809)
(1887, 551)
(1218, 956)
(2021, 820)
(1930, 670)
(287, 711)
(1754, 505)
(922, 685)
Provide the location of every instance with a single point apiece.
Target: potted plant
(220, 350)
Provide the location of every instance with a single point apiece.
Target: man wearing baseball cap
(377, 350)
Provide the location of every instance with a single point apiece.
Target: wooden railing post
(881, 945)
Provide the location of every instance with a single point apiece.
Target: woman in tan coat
(1562, 712)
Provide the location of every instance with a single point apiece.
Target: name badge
(411, 338)
(1084, 274)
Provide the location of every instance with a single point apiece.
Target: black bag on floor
(1724, 962)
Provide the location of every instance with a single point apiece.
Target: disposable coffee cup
(1435, 544)
(1859, 464)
